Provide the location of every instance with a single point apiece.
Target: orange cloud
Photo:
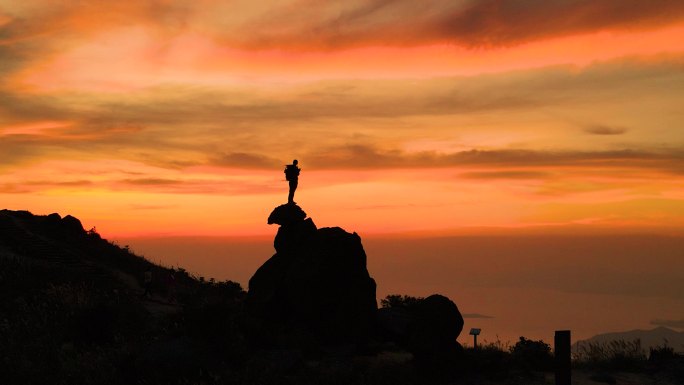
(307, 24)
(313, 25)
(605, 130)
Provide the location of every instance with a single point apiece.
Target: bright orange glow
(38, 128)
(184, 120)
(197, 59)
(218, 202)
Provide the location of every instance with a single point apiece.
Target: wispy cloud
(153, 182)
(476, 315)
(605, 130)
(246, 160)
(194, 186)
(151, 207)
(42, 185)
(316, 25)
(367, 156)
(180, 126)
(513, 174)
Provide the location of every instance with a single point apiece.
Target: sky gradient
(524, 158)
(438, 117)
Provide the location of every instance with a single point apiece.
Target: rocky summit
(315, 291)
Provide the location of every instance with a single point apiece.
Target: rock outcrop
(316, 290)
(430, 326)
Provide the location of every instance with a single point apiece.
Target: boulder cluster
(316, 292)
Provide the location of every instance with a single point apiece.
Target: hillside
(73, 311)
(54, 242)
(648, 338)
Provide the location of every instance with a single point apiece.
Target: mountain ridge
(649, 338)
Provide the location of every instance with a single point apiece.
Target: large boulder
(316, 290)
(427, 327)
(438, 323)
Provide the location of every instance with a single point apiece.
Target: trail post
(562, 356)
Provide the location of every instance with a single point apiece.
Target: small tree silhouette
(398, 300)
(534, 355)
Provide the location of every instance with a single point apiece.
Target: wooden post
(562, 357)
(475, 342)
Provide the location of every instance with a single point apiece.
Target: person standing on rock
(292, 176)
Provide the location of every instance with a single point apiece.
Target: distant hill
(649, 338)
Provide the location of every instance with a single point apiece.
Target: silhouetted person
(292, 176)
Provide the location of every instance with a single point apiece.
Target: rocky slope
(71, 311)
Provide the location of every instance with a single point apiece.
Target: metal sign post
(475, 332)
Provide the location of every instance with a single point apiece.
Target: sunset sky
(524, 157)
(429, 117)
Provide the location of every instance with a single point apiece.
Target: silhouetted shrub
(662, 354)
(490, 360)
(616, 355)
(670, 365)
(398, 300)
(534, 355)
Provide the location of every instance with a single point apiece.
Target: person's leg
(293, 187)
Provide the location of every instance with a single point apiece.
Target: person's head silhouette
(295, 162)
